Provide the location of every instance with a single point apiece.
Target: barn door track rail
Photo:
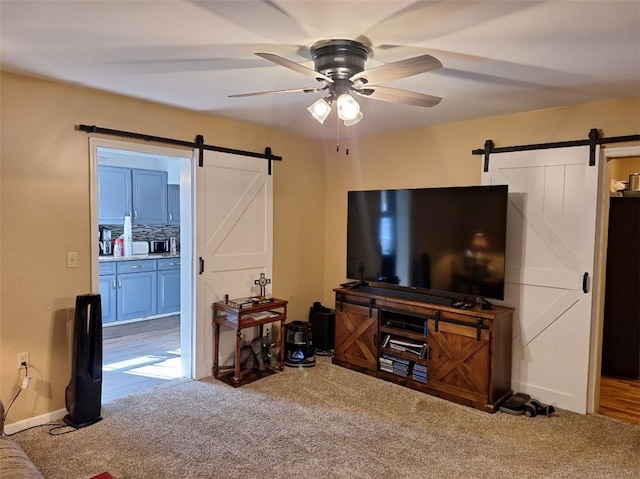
(594, 139)
(198, 143)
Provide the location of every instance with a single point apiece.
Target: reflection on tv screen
(443, 239)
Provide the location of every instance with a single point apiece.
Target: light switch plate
(72, 259)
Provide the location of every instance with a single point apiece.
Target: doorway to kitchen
(142, 217)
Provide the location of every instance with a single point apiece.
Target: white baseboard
(559, 399)
(35, 421)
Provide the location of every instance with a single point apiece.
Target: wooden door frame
(187, 329)
(597, 314)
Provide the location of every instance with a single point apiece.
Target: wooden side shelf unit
(455, 354)
(239, 317)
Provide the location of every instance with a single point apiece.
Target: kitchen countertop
(106, 259)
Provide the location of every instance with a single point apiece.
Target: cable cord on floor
(51, 431)
(60, 426)
(39, 425)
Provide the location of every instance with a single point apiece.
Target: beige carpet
(328, 422)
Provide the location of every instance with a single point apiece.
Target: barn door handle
(201, 265)
(585, 282)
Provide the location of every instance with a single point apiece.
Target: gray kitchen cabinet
(137, 289)
(107, 282)
(168, 285)
(129, 191)
(114, 194)
(149, 200)
(173, 205)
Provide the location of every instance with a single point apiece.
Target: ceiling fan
(339, 65)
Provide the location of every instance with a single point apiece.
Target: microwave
(158, 246)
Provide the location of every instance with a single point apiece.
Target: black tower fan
(83, 395)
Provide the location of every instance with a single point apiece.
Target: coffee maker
(104, 241)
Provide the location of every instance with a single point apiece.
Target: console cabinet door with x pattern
(468, 352)
(356, 335)
(458, 362)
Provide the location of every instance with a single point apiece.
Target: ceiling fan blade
(260, 16)
(397, 70)
(396, 95)
(296, 67)
(272, 92)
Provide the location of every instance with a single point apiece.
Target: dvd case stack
(398, 366)
(402, 367)
(386, 363)
(420, 372)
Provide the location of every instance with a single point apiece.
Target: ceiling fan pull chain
(338, 140)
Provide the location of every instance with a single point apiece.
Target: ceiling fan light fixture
(340, 66)
(348, 108)
(320, 109)
(356, 120)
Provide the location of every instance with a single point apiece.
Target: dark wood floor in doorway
(139, 356)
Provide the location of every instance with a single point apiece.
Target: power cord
(40, 425)
(60, 426)
(25, 384)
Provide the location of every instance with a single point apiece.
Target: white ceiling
(498, 57)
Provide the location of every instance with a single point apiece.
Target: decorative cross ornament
(262, 281)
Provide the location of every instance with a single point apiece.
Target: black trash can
(323, 324)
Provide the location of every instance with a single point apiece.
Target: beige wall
(44, 201)
(441, 156)
(621, 168)
(45, 212)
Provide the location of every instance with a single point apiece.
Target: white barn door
(550, 251)
(234, 229)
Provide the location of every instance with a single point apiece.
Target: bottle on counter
(127, 237)
(118, 247)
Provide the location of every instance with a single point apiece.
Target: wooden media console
(462, 355)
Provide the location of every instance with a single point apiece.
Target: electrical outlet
(23, 357)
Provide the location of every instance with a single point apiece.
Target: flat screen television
(446, 241)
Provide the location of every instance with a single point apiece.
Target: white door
(234, 217)
(550, 247)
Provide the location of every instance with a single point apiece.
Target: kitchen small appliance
(158, 246)
(104, 248)
(104, 241)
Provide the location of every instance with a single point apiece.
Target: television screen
(449, 240)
